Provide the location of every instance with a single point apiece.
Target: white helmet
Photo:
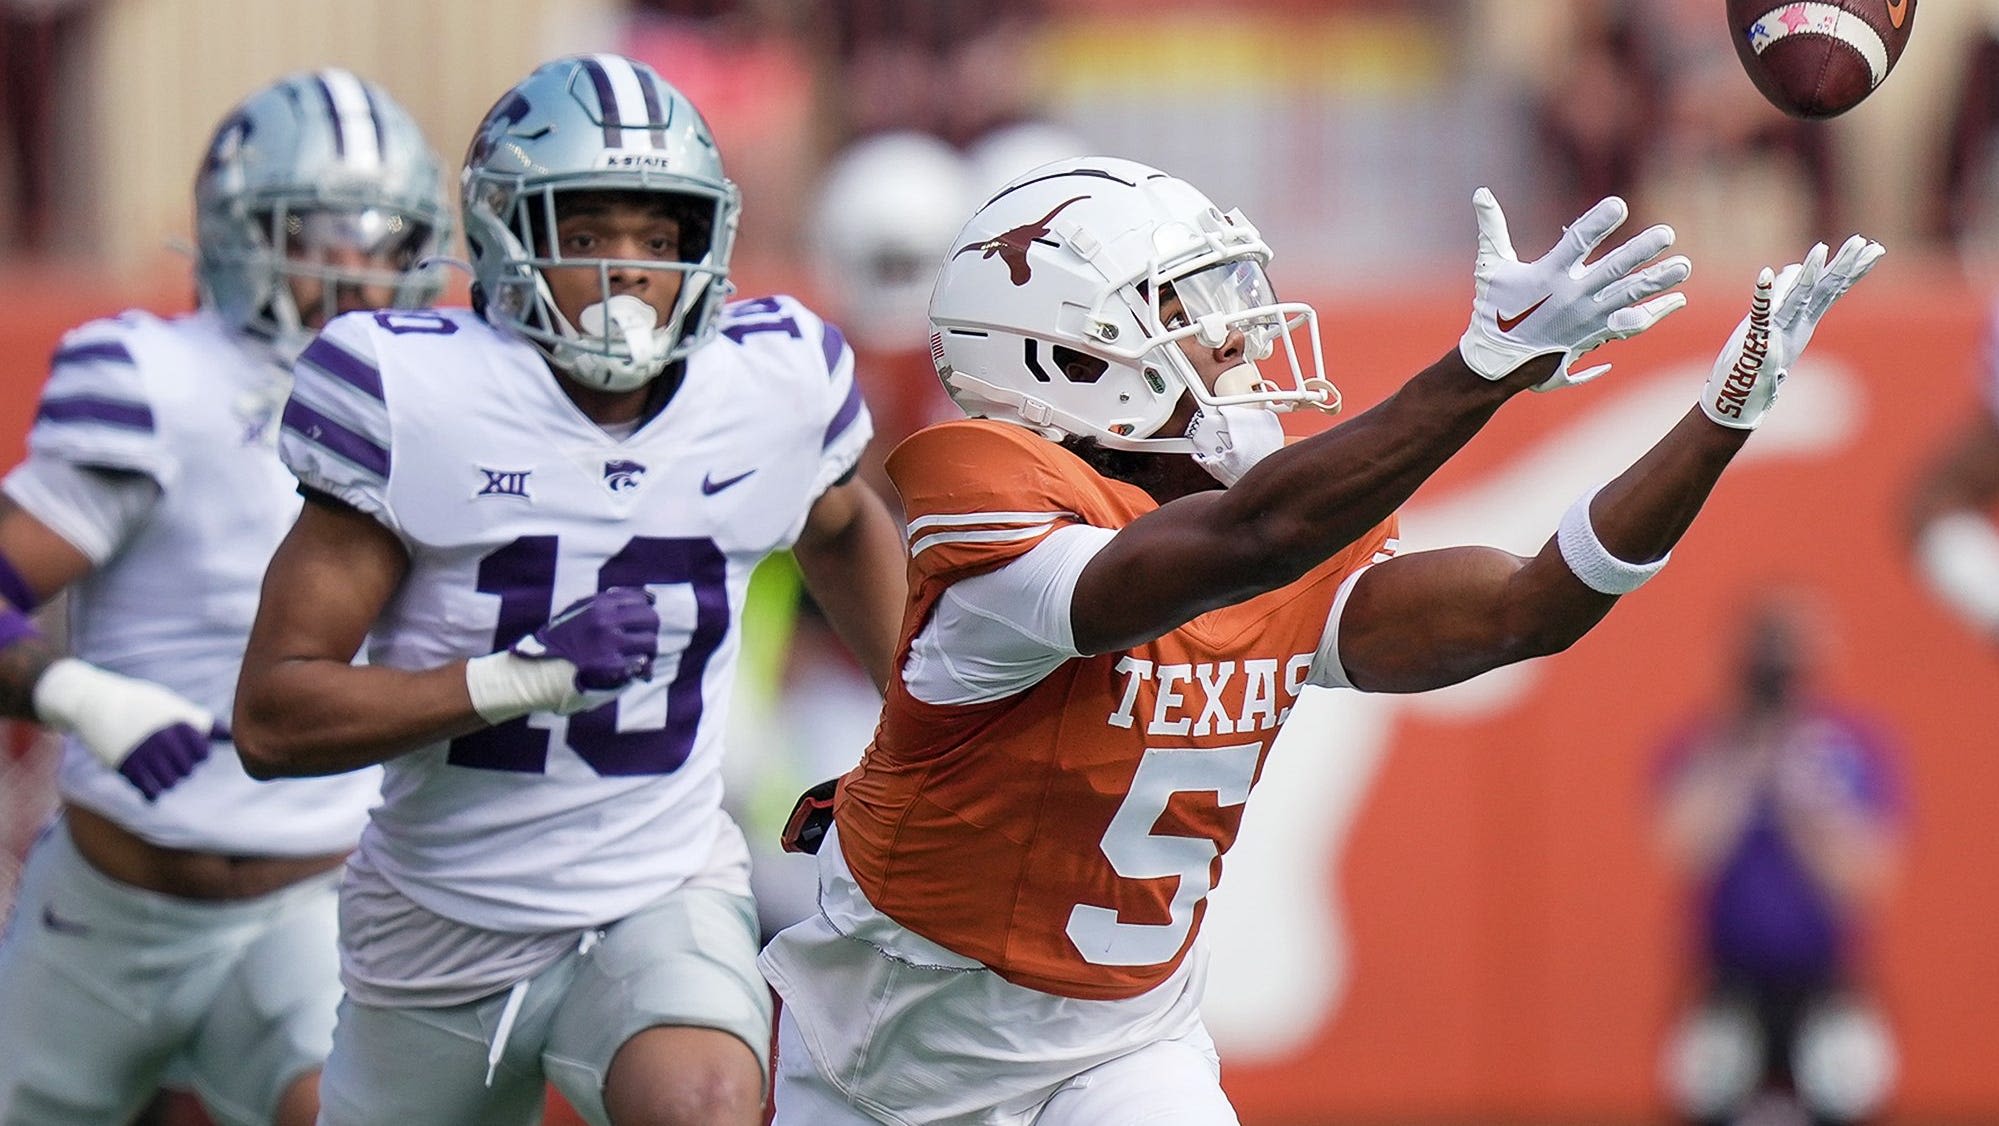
(885, 215)
(1047, 312)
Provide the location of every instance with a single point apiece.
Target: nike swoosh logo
(1898, 10)
(1508, 324)
(61, 925)
(709, 486)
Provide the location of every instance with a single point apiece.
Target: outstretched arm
(1302, 504)
(1430, 619)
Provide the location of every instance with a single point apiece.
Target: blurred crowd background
(1476, 906)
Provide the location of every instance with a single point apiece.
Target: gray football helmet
(316, 161)
(595, 123)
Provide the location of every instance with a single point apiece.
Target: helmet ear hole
(1078, 367)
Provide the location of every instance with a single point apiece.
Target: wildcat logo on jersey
(620, 474)
(505, 483)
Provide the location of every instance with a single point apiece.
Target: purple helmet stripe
(329, 435)
(109, 351)
(326, 356)
(835, 346)
(845, 416)
(122, 413)
(381, 127)
(655, 113)
(607, 103)
(332, 115)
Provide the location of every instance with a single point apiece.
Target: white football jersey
(512, 505)
(191, 405)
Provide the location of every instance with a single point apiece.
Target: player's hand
(1784, 311)
(150, 734)
(1558, 303)
(581, 659)
(610, 637)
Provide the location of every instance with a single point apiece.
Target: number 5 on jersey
(1137, 853)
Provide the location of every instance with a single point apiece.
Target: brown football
(1819, 59)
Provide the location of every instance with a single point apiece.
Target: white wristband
(1593, 563)
(505, 686)
(1959, 556)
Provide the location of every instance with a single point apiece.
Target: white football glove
(147, 732)
(1229, 441)
(1559, 303)
(1784, 311)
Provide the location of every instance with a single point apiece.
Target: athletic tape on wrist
(1593, 563)
(62, 692)
(504, 686)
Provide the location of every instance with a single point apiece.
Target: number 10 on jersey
(522, 575)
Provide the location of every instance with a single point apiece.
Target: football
(1819, 59)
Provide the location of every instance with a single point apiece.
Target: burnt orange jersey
(1067, 836)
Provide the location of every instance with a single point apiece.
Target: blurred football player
(884, 216)
(1122, 579)
(179, 918)
(541, 515)
(1951, 514)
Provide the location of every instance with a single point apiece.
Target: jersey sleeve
(336, 435)
(93, 510)
(840, 418)
(999, 633)
(849, 426)
(96, 409)
(1349, 565)
(978, 495)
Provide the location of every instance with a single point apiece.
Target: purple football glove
(611, 637)
(147, 732)
(168, 755)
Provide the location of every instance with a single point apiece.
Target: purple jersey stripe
(607, 103)
(122, 413)
(322, 431)
(107, 350)
(655, 115)
(324, 355)
(845, 416)
(332, 116)
(835, 346)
